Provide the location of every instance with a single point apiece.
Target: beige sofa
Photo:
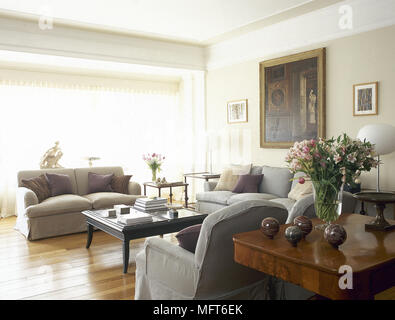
(61, 214)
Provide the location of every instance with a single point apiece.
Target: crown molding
(308, 30)
(23, 34)
(308, 6)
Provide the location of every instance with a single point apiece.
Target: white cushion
(250, 196)
(301, 190)
(102, 200)
(64, 203)
(214, 196)
(230, 176)
(286, 202)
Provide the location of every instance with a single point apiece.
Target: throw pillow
(59, 184)
(248, 183)
(301, 190)
(99, 182)
(39, 185)
(188, 237)
(230, 175)
(121, 184)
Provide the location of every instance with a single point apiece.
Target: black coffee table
(163, 222)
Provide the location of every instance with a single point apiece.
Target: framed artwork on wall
(365, 99)
(237, 111)
(292, 99)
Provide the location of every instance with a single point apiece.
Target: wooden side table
(314, 264)
(169, 185)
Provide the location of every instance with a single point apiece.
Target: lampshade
(381, 135)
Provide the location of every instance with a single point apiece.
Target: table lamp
(383, 137)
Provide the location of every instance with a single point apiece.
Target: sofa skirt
(51, 226)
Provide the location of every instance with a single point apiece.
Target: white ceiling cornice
(22, 34)
(310, 29)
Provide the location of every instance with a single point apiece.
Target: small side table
(201, 175)
(380, 199)
(170, 185)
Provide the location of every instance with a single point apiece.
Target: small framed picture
(237, 111)
(365, 99)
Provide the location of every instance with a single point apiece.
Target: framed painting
(365, 99)
(237, 111)
(292, 99)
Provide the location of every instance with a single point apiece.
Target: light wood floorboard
(62, 268)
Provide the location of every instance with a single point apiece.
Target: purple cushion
(188, 237)
(59, 184)
(99, 182)
(248, 183)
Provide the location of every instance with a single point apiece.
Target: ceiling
(193, 21)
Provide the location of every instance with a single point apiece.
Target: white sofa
(61, 214)
(276, 184)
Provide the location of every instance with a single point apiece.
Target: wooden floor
(62, 268)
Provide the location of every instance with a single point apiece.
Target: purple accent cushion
(248, 183)
(99, 182)
(59, 184)
(188, 237)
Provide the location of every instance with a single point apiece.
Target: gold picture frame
(292, 99)
(237, 111)
(365, 99)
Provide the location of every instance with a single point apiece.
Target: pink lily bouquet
(154, 162)
(329, 164)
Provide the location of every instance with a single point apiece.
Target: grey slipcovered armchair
(164, 270)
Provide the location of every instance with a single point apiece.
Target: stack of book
(150, 204)
(135, 217)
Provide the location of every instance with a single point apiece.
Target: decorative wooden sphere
(335, 234)
(304, 224)
(293, 234)
(270, 227)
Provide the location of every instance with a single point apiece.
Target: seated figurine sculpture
(50, 159)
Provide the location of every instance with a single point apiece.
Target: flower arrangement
(154, 162)
(329, 164)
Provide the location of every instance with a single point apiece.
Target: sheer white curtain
(118, 126)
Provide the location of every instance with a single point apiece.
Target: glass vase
(327, 202)
(153, 175)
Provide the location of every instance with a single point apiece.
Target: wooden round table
(380, 199)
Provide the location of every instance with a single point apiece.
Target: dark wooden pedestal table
(380, 199)
(314, 264)
(162, 223)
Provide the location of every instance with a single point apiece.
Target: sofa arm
(171, 265)
(25, 198)
(134, 188)
(209, 185)
(305, 206)
(302, 207)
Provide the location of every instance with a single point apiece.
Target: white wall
(365, 57)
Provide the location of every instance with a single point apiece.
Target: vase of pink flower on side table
(329, 164)
(154, 162)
